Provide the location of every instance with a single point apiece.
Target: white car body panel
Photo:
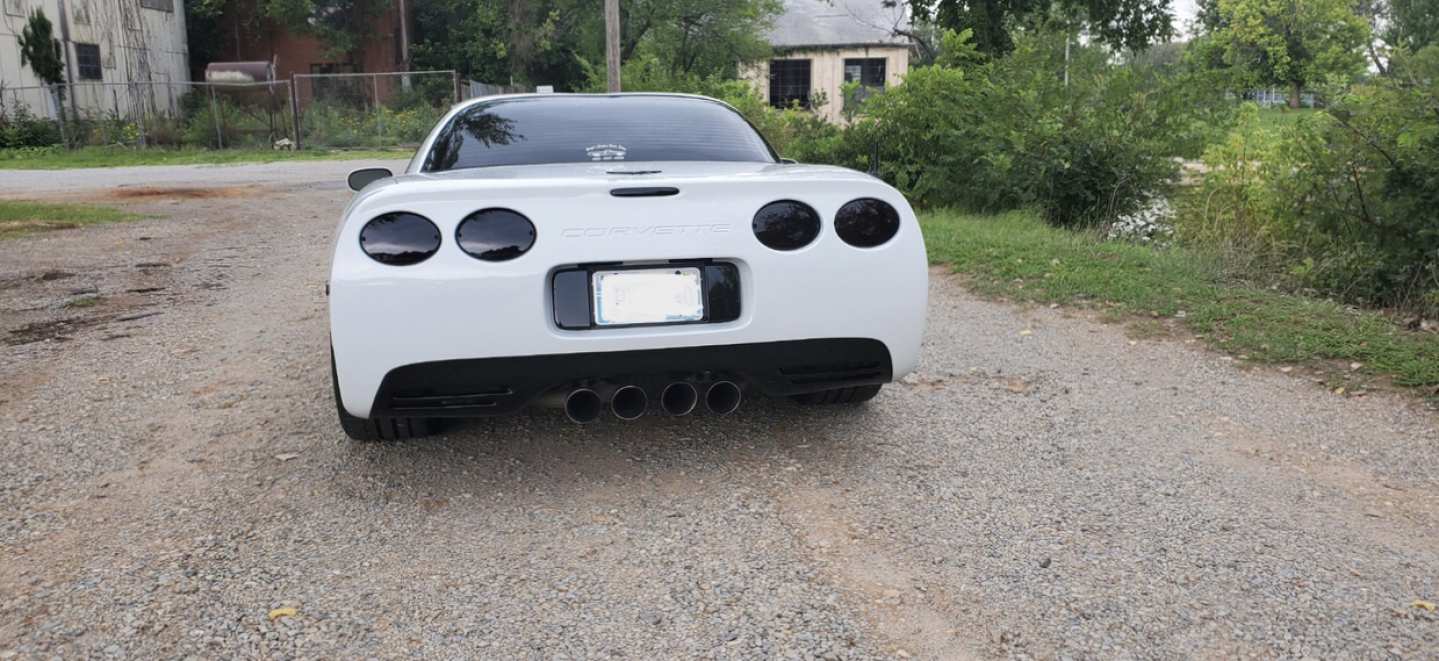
(453, 306)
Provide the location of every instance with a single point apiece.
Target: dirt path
(1045, 487)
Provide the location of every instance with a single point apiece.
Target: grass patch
(1273, 120)
(21, 218)
(88, 301)
(1017, 256)
(55, 158)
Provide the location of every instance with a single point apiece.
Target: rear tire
(851, 395)
(376, 429)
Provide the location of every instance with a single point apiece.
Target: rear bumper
(496, 386)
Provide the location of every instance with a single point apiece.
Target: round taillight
(786, 225)
(495, 235)
(400, 238)
(866, 222)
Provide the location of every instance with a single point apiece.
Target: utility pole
(612, 43)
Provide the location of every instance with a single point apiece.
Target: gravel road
(173, 476)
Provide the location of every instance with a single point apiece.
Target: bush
(19, 128)
(1011, 133)
(1345, 201)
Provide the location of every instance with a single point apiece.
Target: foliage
(1129, 24)
(40, 50)
(19, 128)
(696, 37)
(1016, 256)
(57, 158)
(341, 25)
(561, 42)
(1346, 201)
(1009, 132)
(1293, 43)
(1410, 24)
(339, 126)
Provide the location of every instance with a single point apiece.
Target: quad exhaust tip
(679, 398)
(583, 405)
(629, 402)
(722, 398)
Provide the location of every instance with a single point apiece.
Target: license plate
(647, 296)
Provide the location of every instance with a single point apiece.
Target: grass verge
(55, 158)
(19, 218)
(1017, 256)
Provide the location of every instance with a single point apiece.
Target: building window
(789, 83)
(15, 7)
(87, 57)
(81, 12)
(868, 72)
(159, 5)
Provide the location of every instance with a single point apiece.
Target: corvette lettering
(642, 230)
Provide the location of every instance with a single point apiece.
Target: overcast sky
(1183, 14)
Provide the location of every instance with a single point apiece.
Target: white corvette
(629, 252)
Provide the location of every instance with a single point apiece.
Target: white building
(115, 50)
(821, 44)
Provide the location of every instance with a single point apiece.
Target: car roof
(585, 95)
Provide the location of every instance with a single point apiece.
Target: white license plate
(648, 296)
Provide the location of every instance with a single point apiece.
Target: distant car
(630, 252)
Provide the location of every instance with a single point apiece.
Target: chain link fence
(310, 111)
(147, 114)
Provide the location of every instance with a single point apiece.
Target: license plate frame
(661, 295)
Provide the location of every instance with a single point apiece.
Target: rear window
(583, 129)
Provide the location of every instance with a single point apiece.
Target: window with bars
(159, 5)
(15, 8)
(87, 60)
(789, 83)
(868, 72)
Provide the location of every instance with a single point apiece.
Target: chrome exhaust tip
(679, 398)
(583, 405)
(722, 398)
(629, 402)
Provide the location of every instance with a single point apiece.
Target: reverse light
(866, 222)
(400, 238)
(495, 235)
(786, 225)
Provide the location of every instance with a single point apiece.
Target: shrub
(1346, 201)
(19, 128)
(1009, 133)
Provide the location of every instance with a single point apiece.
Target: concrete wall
(137, 43)
(827, 72)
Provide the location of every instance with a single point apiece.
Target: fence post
(58, 97)
(379, 116)
(455, 76)
(215, 110)
(295, 110)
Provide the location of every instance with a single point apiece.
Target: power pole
(612, 43)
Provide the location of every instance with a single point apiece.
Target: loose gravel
(174, 484)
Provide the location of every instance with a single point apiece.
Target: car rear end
(542, 283)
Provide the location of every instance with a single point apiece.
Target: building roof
(818, 23)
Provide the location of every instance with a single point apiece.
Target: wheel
(376, 429)
(851, 395)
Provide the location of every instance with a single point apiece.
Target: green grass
(54, 158)
(1017, 256)
(1275, 119)
(18, 218)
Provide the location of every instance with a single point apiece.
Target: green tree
(40, 50)
(1412, 24)
(1129, 24)
(340, 24)
(695, 37)
(1291, 43)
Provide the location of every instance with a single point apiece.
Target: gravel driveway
(173, 477)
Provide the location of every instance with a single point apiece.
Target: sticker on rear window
(606, 152)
